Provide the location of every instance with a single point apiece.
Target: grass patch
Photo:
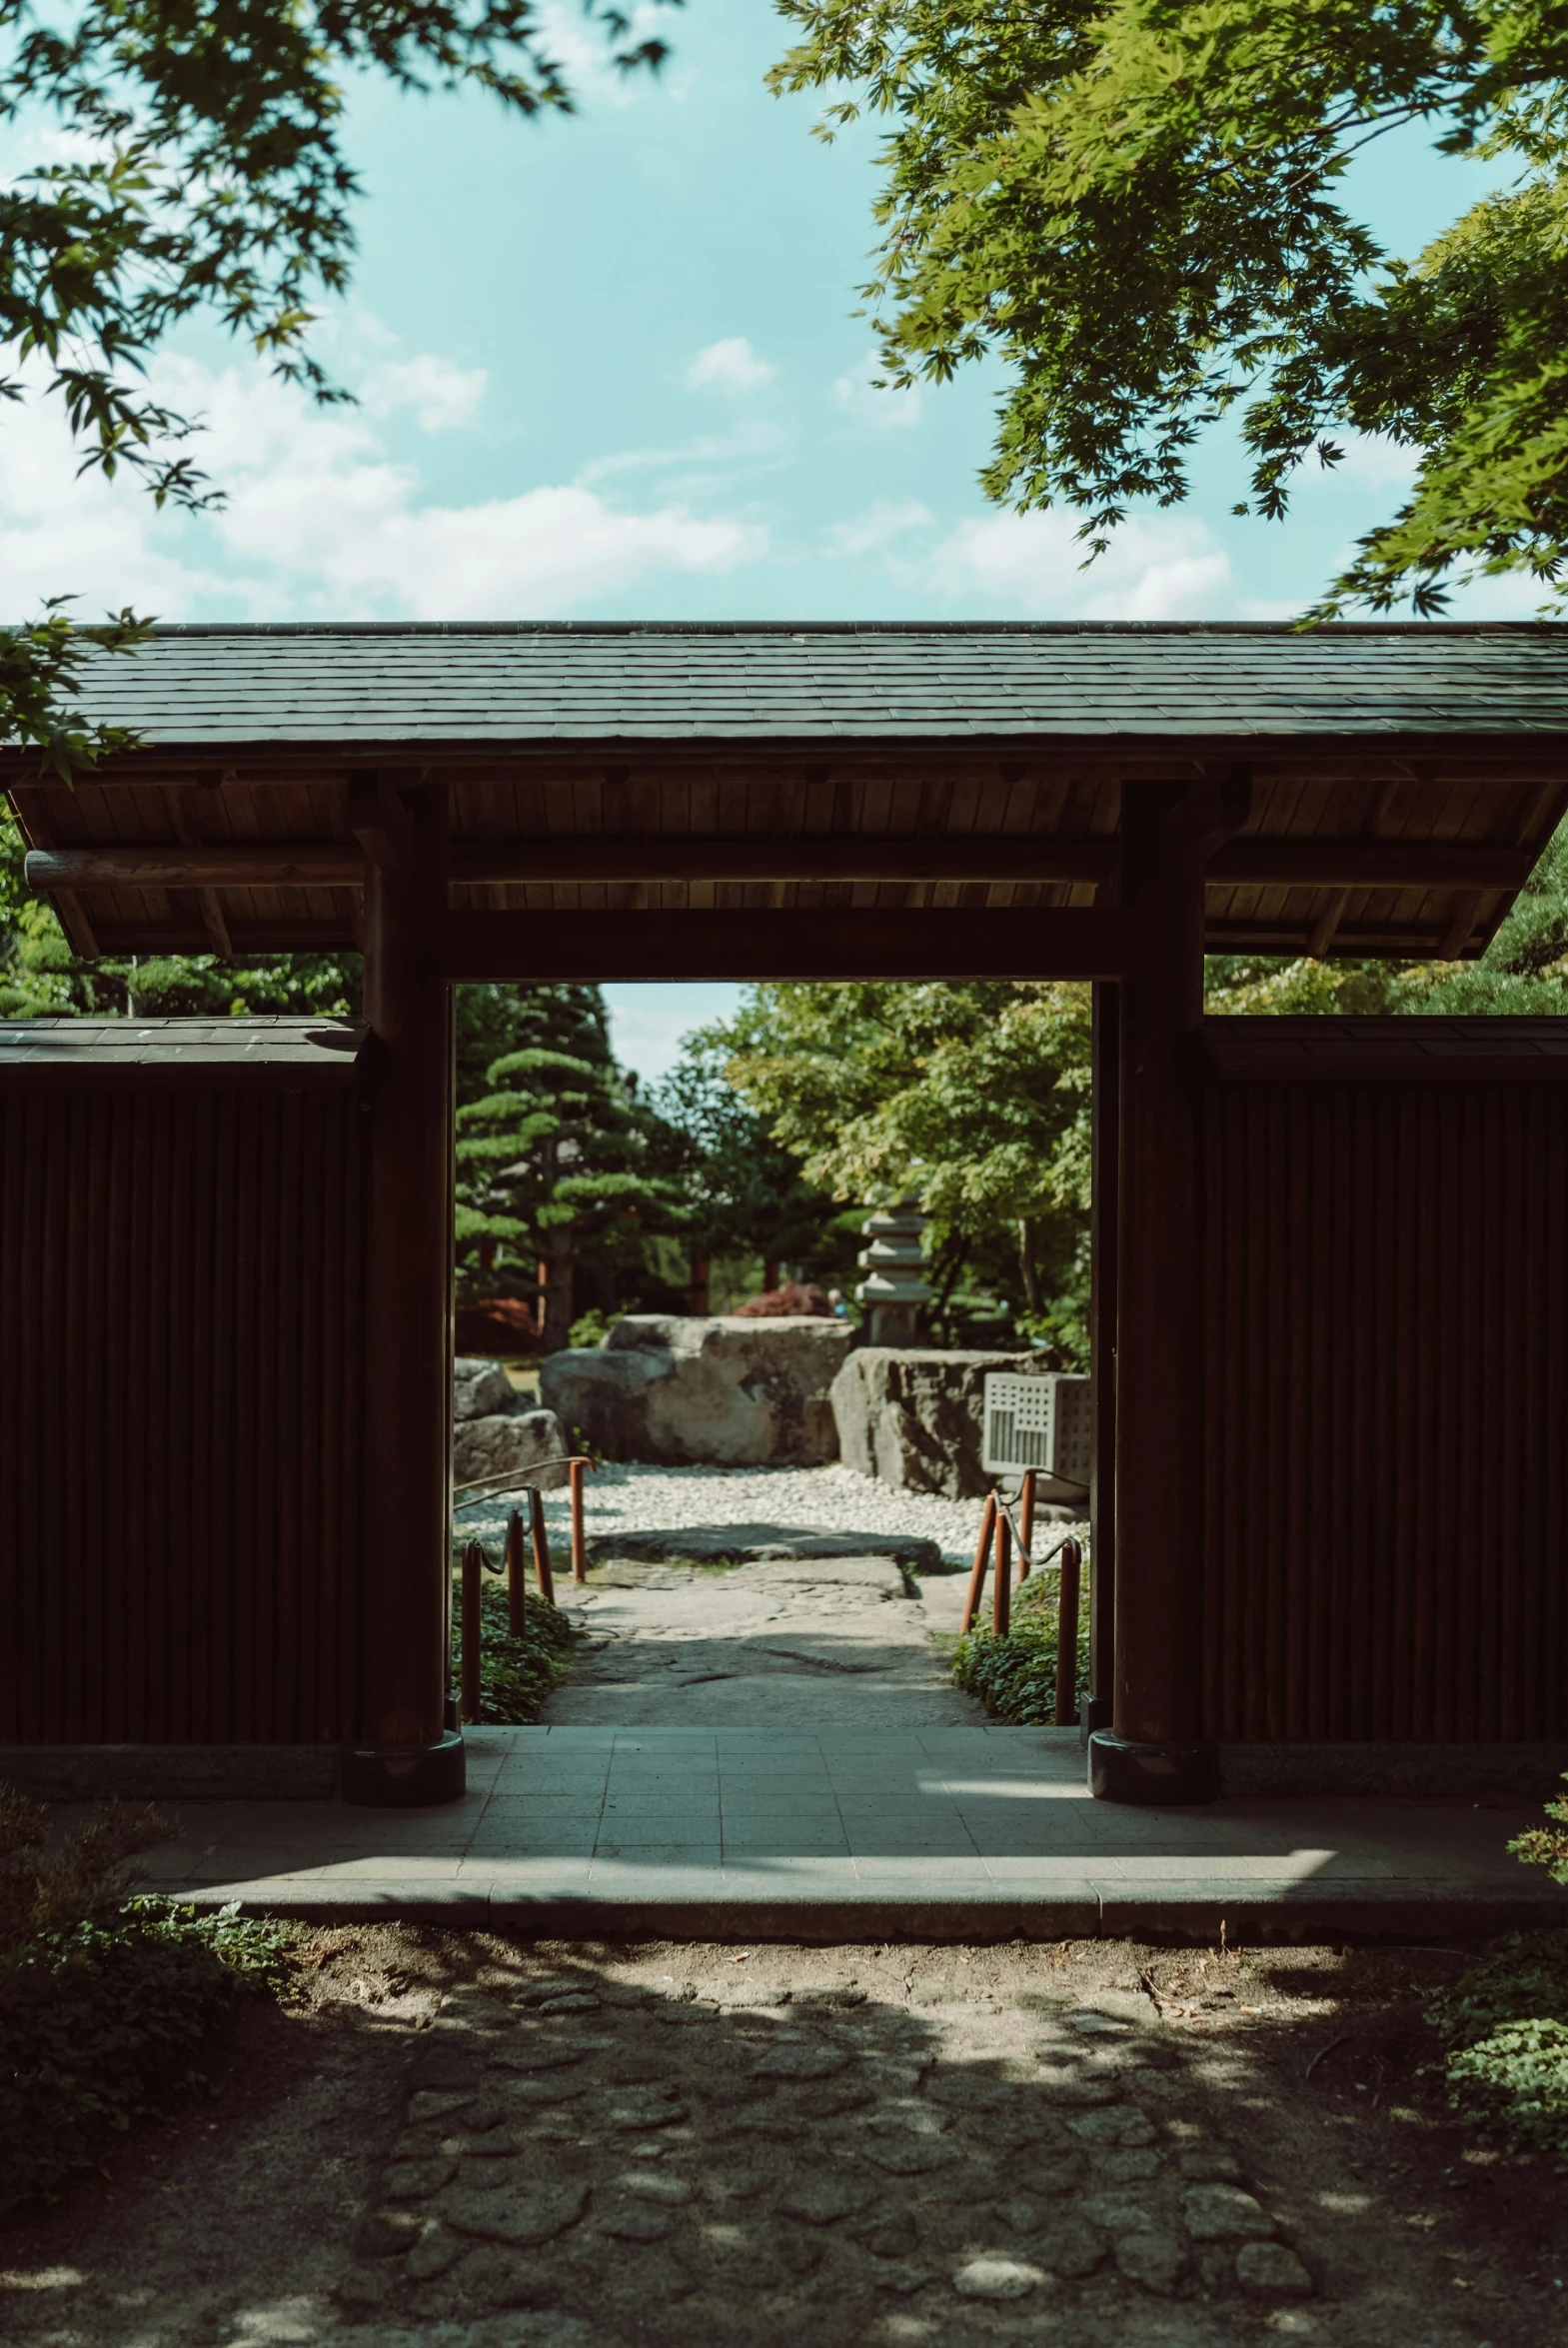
(515, 1674)
(1504, 2027)
(1015, 1677)
(104, 2001)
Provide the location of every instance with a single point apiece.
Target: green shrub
(1504, 2025)
(104, 2001)
(1015, 1677)
(590, 1327)
(1547, 1846)
(516, 1674)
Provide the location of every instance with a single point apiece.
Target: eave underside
(1455, 823)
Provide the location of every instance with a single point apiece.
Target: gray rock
(415, 2180)
(1271, 2271)
(437, 2249)
(801, 2062)
(635, 2221)
(432, 2103)
(1077, 2086)
(480, 1388)
(1156, 2258)
(1066, 2246)
(1223, 2213)
(792, 1555)
(385, 2233)
(914, 1418)
(822, 2197)
(908, 2156)
(997, 2278)
(1208, 2164)
(635, 2108)
(894, 2236)
(1126, 2169)
(510, 1443)
(1120, 2124)
(532, 2213)
(682, 1392)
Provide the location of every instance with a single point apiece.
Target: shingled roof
(1403, 778)
(373, 683)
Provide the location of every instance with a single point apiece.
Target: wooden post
(543, 1570)
(1069, 1563)
(576, 1472)
(1154, 1753)
(1002, 1580)
(541, 1565)
(1026, 1525)
(404, 1754)
(517, 1581)
(982, 1551)
(1104, 1238)
(472, 1632)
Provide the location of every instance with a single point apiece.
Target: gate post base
(404, 1777)
(1121, 1770)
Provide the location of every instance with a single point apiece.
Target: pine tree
(555, 1156)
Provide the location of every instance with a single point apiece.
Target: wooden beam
(835, 856)
(814, 942)
(210, 864)
(380, 823)
(1368, 864)
(1254, 862)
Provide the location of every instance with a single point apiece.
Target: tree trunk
(700, 1285)
(1027, 1266)
(769, 1278)
(556, 1268)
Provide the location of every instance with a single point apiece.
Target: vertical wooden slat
(1387, 1310)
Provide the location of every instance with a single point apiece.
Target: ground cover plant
(516, 1674)
(1504, 2027)
(104, 2001)
(1015, 1677)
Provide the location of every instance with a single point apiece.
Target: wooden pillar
(1104, 1239)
(1154, 1753)
(407, 1754)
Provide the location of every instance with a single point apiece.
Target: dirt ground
(460, 2142)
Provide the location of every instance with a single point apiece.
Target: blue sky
(609, 368)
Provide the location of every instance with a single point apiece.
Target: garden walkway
(856, 1834)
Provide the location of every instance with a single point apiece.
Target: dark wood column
(407, 1755)
(1104, 1236)
(1153, 1753)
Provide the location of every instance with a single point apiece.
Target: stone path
(791, 1641)
(624, 2155)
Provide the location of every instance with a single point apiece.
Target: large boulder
(914, 1418)
(494, 1433)
(682, 1393)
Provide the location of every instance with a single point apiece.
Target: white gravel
(810, 1499)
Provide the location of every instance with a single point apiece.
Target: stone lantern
(894, 1290)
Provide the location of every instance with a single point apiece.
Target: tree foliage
(558, 1154)
(1139, 207)
(192, 162)
(973, 1097)
(744, 1193)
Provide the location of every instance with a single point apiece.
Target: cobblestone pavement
(600, 2153)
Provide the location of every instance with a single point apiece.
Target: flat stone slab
(824, 1835)
(758, 1545)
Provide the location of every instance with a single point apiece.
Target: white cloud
(877, 527)
(441, 396)
(857, 395)
(321, 519)
(571, 41)
(730, 366)
(1030, 565)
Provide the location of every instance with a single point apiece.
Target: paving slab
(905, 1834)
